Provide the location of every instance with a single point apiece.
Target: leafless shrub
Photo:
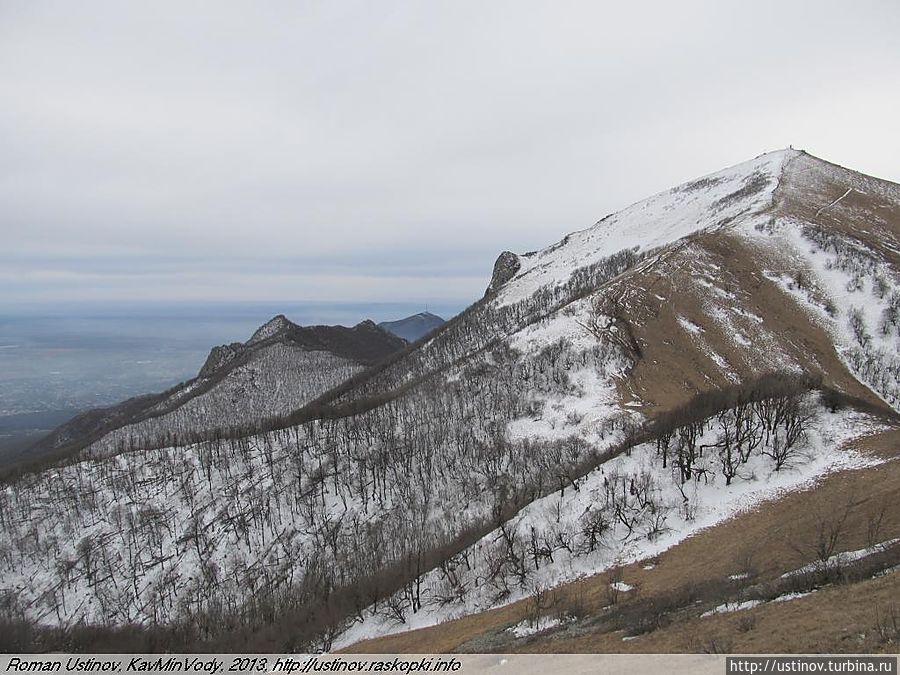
(858, 326)
(746, 560)
(573, 605)
(595, 525)
(874, 520)
(395, 607)
(819, 542)
(610, 324)
(746, 622)
(614, 583)
(539, 604)
(714, 644)
(643, 615)
(887, 624)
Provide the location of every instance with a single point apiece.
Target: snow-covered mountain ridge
(707, 203)
(320, 518)
(281, 367)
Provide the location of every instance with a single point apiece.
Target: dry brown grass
(840, 618)
(870, 213)
(677, 364)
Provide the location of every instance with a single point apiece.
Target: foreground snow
(707, 504)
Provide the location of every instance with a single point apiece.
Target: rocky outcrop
(219, 356)
(505, 268)
(272, 327)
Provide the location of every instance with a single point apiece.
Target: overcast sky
(388, 151)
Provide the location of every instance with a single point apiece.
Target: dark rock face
(364, 343)
(505, 268)
(219, 356)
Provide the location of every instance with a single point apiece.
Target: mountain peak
(740, 193)
(277, 324)
(413, 327)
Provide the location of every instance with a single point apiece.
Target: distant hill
(279, 369)
(413, 327)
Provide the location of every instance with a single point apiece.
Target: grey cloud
(304, 150)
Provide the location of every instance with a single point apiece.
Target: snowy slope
(662, 515)
(502, 410)
(838, 253)
(282, 367)
(640, 236)
(713, 201)
(279, 379)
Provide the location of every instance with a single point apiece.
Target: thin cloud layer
(388, 151)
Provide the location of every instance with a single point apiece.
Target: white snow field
(667, 518)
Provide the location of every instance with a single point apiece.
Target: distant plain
(56, 361)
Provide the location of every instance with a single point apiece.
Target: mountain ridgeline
(610, 395)
(279, 369)
(414, 327)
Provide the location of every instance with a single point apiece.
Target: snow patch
(526, 628)
(841, 559)
(732, 607)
